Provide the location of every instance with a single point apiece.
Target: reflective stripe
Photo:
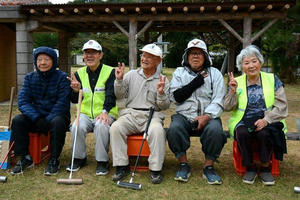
(99, 89)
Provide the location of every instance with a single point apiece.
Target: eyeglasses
(39, 60)
(146, 57)
(195, 54)
(92, 53)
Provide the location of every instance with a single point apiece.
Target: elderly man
(142, 89)
(98, 108)
(198, 91)
(44, 102)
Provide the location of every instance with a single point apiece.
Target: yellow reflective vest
(267, 82)
(92, 103)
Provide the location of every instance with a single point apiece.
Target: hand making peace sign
(232, 82)
(75, 85)
(161, 85)
(119, 71)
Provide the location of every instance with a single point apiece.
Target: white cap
(196, 43)
(92, 44)
(152, 49)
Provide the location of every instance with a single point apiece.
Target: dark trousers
(212, 137)
(245, 139)
(22, 126)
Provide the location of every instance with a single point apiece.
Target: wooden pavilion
(241, 19)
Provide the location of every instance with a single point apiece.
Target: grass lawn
(34, 185)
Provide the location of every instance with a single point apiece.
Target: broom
(71, 181)
(129, 184)
(4, 178)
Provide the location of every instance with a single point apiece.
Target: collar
(88, 70)
(154, 76)
(258, 82)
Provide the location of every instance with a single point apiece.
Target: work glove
(42, 126)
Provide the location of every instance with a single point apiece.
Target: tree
(283, 45)
(45, 39)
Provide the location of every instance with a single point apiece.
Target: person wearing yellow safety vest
(259, 106)
(98, 108)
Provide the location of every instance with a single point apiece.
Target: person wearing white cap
(98, 107)
(198, 91)
(143, 88)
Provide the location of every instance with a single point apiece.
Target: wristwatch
(104, 111)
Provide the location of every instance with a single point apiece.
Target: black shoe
(21, 165)
(77, 164)
(102, 168)
(121, 173)
(52, 167)
(156, 177)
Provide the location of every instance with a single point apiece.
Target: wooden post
(231, 53)
(132, 44)
(247, 31)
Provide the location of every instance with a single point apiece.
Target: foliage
(114, 45)
(284, 46)
(45, 39)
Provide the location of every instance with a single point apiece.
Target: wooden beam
(62, 11)
(201, 10)
(144, 29)
(263, 30)
(231, 30)
(77, 11)
(138, 10)
(47, 11)
(107, 10)
(92, 11)
(153, 10)
(210, 22)
(269, 7)
(32, 11)
(124, 11)
(121, 28)
(169, 9)
(284, 8)
(218, 9)
(234, 8)
(185, 10)
(251, 8)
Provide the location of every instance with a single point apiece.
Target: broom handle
(76, 130)
(10, 106)
(144, 137)
(12, 144)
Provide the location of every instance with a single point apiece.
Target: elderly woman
(259, 106)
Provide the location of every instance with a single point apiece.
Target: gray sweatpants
(101, 132)
(212, 137)
(127, 125)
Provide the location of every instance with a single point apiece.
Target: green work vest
(92, 103)
(268, 82)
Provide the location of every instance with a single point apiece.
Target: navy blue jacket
(45, 94)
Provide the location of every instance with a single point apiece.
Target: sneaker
(121, 173)
(183, 172)
(156, 177)
(21, 165)
(250, 175)
(212, 177)
(77, 164)
(102, 168)
(52, 167)
(266, 176)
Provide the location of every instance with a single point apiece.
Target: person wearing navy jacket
(44, 103)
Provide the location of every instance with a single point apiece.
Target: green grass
(34, 185)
